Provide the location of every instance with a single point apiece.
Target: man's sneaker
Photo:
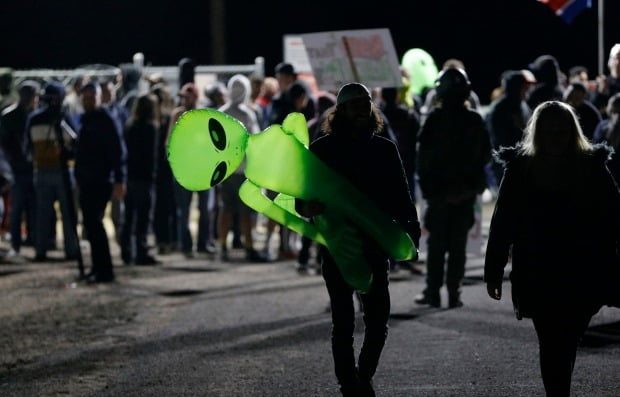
(147, 260)
(14, 257)
(431, 301)
(94, 278)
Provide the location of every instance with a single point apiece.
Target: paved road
(204, 328)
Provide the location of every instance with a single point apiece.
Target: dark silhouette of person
(453, 150)
(141, 139)
(508, 115)
(100, 173)
(547, 72)
(352, 147)
(12, 125)
(576, 95)
(164, 213)
(187, 73)
(282, 104)
(608, 131)
(405, 124)
(49, 139)
(558, 216)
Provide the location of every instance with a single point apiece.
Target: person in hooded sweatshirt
(508, 115)
(230, 203)
(547, 72)
(453, 151)
(558, 216)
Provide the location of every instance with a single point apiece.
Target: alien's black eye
(218, 135)
(218, 174)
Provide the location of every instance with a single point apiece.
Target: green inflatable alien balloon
(206, 146)
(422, 69)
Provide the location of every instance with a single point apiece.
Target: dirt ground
(45, 312)
(46, 316)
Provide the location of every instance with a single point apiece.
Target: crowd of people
(103, 145)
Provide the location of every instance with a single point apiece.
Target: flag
(567, 9)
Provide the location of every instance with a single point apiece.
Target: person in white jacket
(229, 202)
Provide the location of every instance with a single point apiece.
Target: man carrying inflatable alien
(351, 184)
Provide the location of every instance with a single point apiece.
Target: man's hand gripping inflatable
(206, 146)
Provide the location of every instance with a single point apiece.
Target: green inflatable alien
(422, 70)
(206, 146)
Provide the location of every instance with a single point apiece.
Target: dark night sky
(488, 35)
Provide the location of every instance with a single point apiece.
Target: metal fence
(169, 73)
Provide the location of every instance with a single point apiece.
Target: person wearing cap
(431, 101)
(12, 125)
(101, 174)
(281, 104)
(183, 197)
(453, 150)
(354, 148)
(49, 139)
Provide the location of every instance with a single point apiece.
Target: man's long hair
(337, 121)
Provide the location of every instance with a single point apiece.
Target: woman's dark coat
(562, 238)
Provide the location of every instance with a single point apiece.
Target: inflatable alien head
(422, 69)
(204, 150)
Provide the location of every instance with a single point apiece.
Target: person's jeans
(138, 202)
(558, 338)
(448, 226)
(93, 201)
(204, 219)
(376, 307)
(165, 217)
(183, 198)
(23, 200)
(50, 188)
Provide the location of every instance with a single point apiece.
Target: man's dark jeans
(376, 307)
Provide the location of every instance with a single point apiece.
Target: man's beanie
(352, 91)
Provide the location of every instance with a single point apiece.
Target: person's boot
(454, 299)
(365, 388)
(251, 255)
(351, 387)
(364, 385)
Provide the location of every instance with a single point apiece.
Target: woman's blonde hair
(549, 119)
